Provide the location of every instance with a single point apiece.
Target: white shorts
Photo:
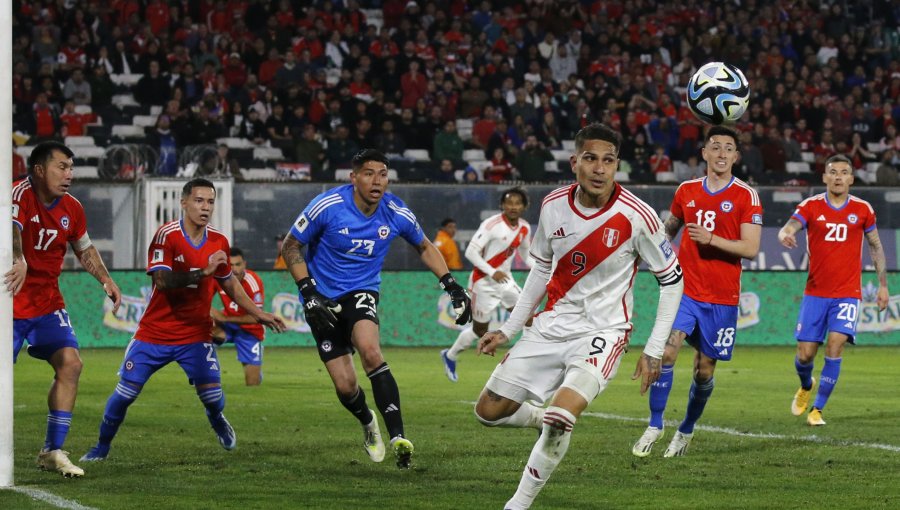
(535, 368)
(487, 295)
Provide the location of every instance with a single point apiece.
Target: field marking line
(49, 498)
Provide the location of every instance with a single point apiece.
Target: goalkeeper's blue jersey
(346, 249)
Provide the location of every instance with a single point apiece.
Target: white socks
(463, 341)
(548, 451)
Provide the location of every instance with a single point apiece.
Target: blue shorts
(45, 334)
(249, 348)
(711, 328)
(820, 315)
(143, 359)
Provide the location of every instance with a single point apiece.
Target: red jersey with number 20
(834, 237)
(253, 286)
(181, 316)
(46, 230)
(711, 275)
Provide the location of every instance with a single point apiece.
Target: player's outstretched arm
(877, 253)
(15, 277)
(672, 225)
(318, 310)
(93, 264)
(220, 317)
(490, 341)
(236, 292)
(786, 236)
(746, 247)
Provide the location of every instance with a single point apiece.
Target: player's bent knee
(492, 410)
(583, 383)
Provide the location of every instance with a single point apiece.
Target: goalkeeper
(348, 230)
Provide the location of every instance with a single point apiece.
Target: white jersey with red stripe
(494, 245)
(595, 256)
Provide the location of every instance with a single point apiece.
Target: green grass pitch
(299, 449)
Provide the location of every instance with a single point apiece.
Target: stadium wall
(414, 311)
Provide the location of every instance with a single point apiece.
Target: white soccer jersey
(595, 258)
(493, 246)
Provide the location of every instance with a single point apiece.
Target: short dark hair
(237, 252)
(43, 151)
(598, 131)
(366, 155)
(517, 190)
(839, 158)
(724, 131)
(199, 182)
(447, 221)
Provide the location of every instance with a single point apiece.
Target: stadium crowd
(514, 80)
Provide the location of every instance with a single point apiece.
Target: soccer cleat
(814, 418)
(97, 453)
(403, 449)
(372, 441)
(679, 445)
(225, 433)
(643, 445)
(58, 460)
(449, 366)
(801, 399)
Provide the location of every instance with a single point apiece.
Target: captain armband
(83, 243)
(670, 277)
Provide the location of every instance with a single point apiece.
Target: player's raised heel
(403, 449)
(96, 454)
(643, 445)
(372, 441)
(449, 366)
(225, 433)
(814, 418)
(58, 461)
(801, 399)
(679, 445)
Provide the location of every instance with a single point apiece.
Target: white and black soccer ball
(718, 93)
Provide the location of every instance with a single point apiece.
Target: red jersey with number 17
(253, 286)
(711, 275)
(46, 230)
(834, 237)
(181, 316)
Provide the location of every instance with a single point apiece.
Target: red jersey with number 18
(181, 316)
(834, 238)
(711, 275)
(253, 286)
(46, 230)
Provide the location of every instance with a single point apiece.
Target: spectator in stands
(792, 150)
(531, 160)
(122, 61)
(501, 168)
(692, 169)
(71, 56)
(522, 106)
(548, 131)
(71, 121)
(77, 89)
(824, 150)
(235, 73)
(446, 172)
(448, 144)
(413, 85)
(445, 244)
(289, 72)
(886, 174)
(268, 69)
(774, 157)
(752, 168)
(563, 64)
(162, 139)
(45, 118)
(252, 128)
(859, 154)
(472, 99)
(278, 130)
(220, 164)
(499, 139)
(204, 127)
(341, 148)
(19, 168)
(152, 88)
(309, 150)
(389, 142)
(659, 162)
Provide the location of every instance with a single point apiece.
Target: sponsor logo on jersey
(179, 258)
(383, 232)
(64, 221)
(35, 219)
(756, 219)
(821, 218)
(726, 206)
(691, 204)
(666, 248)
(157, 256)
(345, 231)
(560, 232)
(301, 223)
(853, 219)
(610, 237)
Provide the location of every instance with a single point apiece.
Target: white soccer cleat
(643, 445)
(372, 441)
(679, 445)
(58, 460)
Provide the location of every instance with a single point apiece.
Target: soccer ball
(718, 93)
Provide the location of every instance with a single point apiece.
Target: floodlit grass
(298, 448)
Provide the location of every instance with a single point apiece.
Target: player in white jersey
(491, 252)
(590, 238)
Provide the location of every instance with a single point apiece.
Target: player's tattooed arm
(292, 253)
(166, 279)
(786, 234)
(432, 257)
(92, 262)
(15, 277)
(672, 225)
(877, 253)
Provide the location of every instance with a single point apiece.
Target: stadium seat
(88, 152)
(808, 157)
(416, 154)
(464, 123)
(126, 80)
(126, 131)
(120, 101)
(24, 150)
(550, 166)
(470, 155)
(259, 174)
(479, 167)
(665, 177)
(569, 145)
(85, 172)
(791, 197)
(236, 143)
(875, 147)
(83, 109)
(560, 155)
(465, 134)
(155, 110)
(797, 167)
(144, 120)
(622, 177)
(458, 175)
(79, 141)
(342, 174)
(268, 153)
(892, 196)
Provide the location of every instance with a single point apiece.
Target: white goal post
(6, 311)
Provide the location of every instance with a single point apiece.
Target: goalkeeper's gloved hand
(319, 310)
(462, 304)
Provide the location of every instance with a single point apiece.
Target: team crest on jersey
(757, 219)
(64, 221)
(610, 237)
(129, 365)
(726, 206)
(666, 248)
(383, 232)
(301, 223)
(853, 219)
(326, 346)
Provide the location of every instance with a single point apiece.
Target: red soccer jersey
(834, 237)
(253, 286)
(45, 232)
(711, 275)
(181, 316)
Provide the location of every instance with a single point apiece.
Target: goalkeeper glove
(462, 304)
(319, 310)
